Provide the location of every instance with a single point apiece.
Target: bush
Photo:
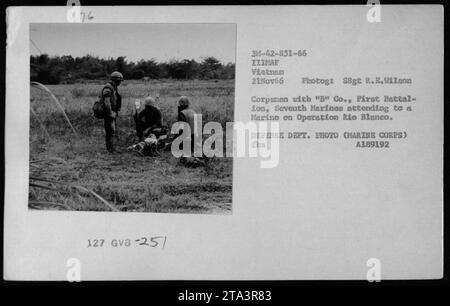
(66, 69)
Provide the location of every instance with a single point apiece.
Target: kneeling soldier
(188, 115)
(147, 120)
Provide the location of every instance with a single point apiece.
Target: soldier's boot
(109, 135)
(110, 144)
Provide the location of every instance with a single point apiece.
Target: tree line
(67, 69)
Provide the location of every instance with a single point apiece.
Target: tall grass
(34, 179)
(125, 182)
(43, 87)
(214, 100)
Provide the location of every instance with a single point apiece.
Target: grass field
(59, 160)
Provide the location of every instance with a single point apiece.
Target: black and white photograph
(103, 100)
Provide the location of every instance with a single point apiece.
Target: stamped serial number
(372, 144)
(150, 241)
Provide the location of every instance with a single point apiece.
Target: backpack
(99, 105)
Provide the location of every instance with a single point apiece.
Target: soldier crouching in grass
(112, 103)
(147, 120)
(151, 132)
(188, 115)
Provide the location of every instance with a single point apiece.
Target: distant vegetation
(67, 69)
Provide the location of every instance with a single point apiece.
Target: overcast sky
(136, 41)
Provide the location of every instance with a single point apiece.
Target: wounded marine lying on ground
(153, 141)
(158, 140)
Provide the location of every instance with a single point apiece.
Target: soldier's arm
(181, 117)
(157, 119)
(137, 116)
(119, 102)
(140, 124)
(146, 132)
(139, 130)
(107, 100)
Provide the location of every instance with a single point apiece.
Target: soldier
(188, 115)
(112, 102)
(148, 120)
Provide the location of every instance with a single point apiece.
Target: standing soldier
(112, 102)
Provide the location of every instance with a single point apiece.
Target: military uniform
(113, 103)
(188, 115)
(147, 120)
